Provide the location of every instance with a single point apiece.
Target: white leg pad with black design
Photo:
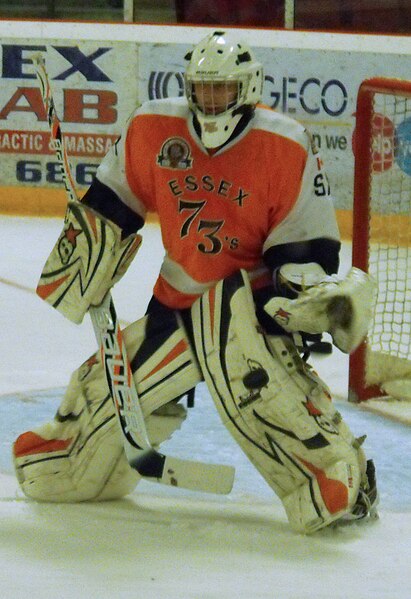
(79, 455)
(277, 409)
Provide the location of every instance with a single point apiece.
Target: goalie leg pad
(88, 259)
(79, 456)
(277, 409)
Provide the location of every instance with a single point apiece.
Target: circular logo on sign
(403, 146)
(383, 138)
(383, 133)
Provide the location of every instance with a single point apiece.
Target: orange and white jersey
(218, 213)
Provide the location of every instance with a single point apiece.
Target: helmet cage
(214, 107)
(219, 60)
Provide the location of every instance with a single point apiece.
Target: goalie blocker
(89, 257)
(274, 405)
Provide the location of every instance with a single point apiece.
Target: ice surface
(160, 542)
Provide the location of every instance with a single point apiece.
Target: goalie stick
(149, 463)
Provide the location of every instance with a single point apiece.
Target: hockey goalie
(251, 251)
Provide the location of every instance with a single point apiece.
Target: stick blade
(198, 476)
(176, 472)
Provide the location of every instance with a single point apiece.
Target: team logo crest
(175, 153)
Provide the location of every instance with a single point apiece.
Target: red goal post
(381, 366)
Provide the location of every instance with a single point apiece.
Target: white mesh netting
(389, 342)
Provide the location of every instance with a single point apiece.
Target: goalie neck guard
(223, 82)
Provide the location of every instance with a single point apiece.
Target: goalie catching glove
(343, 308)
(89, 257)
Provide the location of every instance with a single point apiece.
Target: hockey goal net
(381, 366)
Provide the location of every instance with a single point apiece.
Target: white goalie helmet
(222, 78)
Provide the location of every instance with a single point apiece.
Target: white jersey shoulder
(112, 169)
(164, 107)
(280, 124)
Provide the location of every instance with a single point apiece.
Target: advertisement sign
(100, 72)
(93, 93)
